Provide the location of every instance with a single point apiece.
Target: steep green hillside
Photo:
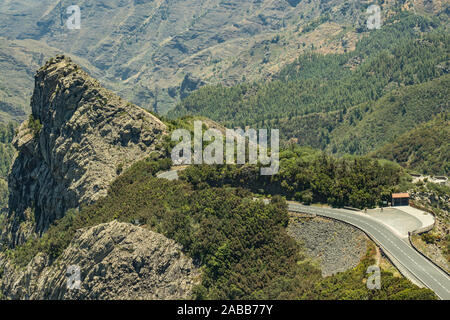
(394, 114)
(425, 149)
(242, 245)
(310, 176)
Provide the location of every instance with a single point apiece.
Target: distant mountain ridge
(144, 50)
(425, 149)
(84, 191)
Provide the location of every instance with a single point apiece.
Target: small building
(400, 199)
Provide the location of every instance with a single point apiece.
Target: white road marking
(387, 236)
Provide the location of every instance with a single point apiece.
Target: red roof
(400, 195)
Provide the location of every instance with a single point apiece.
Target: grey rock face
(115, 261)
(336, 245)
(86, 133)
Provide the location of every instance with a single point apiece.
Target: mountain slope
(241, 244)
(119, 260)
(6, 156)
(317, 83)
(425, 149)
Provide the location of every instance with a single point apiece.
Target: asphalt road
(408, 258)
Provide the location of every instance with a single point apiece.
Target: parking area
(402, 219)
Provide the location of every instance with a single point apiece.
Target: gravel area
(335, 245)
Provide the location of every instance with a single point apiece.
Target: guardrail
(424, 255)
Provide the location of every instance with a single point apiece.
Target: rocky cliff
(115, 261)
(70, 149)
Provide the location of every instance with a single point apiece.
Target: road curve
(408, 258)
(405, 257)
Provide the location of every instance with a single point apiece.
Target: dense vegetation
(438, 239)
(241, 244)
(350, 285)
(6, 155)
(317, 83)
(424, 149)
(6, 149)
(345, 103)
(311, 176)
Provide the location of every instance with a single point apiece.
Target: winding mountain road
(410, 263)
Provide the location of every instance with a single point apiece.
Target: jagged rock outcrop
(70, 150)
(116, 261)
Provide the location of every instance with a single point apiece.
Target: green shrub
(34, 125)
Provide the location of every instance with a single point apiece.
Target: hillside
(344, 103)
(395, 113)
(71, 147)
(424, 149)
(241, 245)
(154, 52)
